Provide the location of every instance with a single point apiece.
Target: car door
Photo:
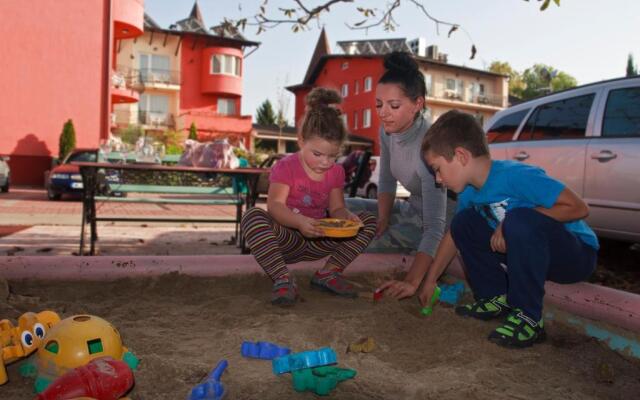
(555, 138)
(612, 183)
(501, 132)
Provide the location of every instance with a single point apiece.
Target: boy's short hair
(455, 129)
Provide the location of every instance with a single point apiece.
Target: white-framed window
(226, 106)
(366, 118)
(153, 109)
(155, 68)
(356, 86)
(367, 84)
(344, 119)
(454, 88)
(428, 83)
(345, 65)
(344, 91)
(225, 64)
(355, 120)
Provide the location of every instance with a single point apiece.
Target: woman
(417, 224)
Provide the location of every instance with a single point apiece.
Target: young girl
(304, 187)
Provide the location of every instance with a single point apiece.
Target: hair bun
(400, 61)
(322, 97)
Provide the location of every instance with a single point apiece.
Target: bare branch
(386, 18)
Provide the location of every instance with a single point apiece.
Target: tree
(300, 14)
(193, 131)
(542, 79)
(516, 85)
(67, 140)
(632, 70)
(265, 115)
(281, 121)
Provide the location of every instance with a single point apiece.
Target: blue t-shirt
(512, 184)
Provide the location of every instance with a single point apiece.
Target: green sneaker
(485, 309)
(518, 331)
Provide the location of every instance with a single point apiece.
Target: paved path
(30, 224)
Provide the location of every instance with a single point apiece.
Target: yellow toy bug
(20, 341)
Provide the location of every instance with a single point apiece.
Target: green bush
(193, 132)
(130, 134)
(67, 140)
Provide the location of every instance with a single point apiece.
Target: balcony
(128, 18)
(125, 87)
(482, 100)
(156, 119)
(159, 79)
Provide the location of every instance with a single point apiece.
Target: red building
(57, 64)
(190, 74)
(355, 72)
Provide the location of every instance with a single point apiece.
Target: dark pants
(539, 248)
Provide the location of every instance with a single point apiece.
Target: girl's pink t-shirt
(306, 196)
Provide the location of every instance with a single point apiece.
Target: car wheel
(372, 192)
(53, 195)
(5, 188)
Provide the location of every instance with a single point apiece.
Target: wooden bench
(100, 190)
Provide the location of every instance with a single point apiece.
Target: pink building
(57, 64)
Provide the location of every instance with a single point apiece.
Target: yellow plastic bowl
(339, 228)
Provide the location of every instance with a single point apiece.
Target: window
(564, 119)
(155, 68)
(477, 93)
(366, 118)
(504, 128)
(428, 83)
(225, 64)
(367, 84)
(226, 106)
(480, 118)
(153, 109)
(356, 87)
(345, 90)
(344, 120)
(454, 89)
(355, 120)
(622, 114)
(345, 65)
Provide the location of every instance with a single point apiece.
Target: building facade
(356, 70)
(189, 74)
(58, 64)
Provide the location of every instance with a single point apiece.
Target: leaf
(360, 23)
(473, 52)
(260, 30)
(545, 5)
(453, 29)
(557, 2)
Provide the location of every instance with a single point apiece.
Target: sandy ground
(180, 327)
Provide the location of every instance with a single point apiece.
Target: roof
(322, 49)
(375, 46)
(292, 132)
(195, 25)
(308, 82)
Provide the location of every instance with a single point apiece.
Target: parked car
(589, 138)
(370, 189)
(4, 174)
(65, 178)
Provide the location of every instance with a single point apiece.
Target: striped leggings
(274, 246)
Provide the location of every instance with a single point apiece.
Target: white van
(370, 189)
(589, 138)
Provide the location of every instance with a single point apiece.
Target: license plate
(76, 185)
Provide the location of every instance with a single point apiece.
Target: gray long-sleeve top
(400, 160)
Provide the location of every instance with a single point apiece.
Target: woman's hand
(308, 227)
(497, 241)
(398, 289)
(383, 225)
(426, 292)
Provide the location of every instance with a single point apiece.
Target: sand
(180, 327)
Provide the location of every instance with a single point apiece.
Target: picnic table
(150, 183)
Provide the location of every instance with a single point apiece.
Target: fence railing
(487, 99)
(156, 119)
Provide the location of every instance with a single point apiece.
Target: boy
(515, 227)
